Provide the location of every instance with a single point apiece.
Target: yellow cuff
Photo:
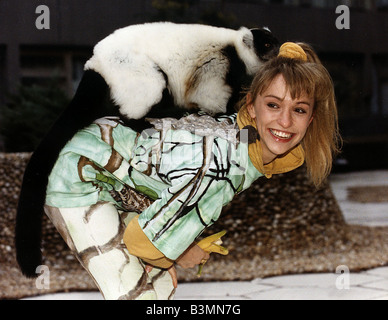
(140, 246)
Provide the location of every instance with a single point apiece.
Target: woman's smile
(281, 136)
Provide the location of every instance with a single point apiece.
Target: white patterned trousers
(95, 235)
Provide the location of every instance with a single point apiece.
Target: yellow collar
(285, 163)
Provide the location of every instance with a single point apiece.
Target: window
(40, 65)
(381, 85)
(382, 4)
(360, 4)
(347, 69)
(384, 97)
(2, 74)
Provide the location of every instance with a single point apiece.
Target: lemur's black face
(266, 45)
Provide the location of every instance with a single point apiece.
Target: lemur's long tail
(86, 106)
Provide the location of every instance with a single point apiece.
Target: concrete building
(38, 43)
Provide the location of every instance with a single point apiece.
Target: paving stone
(224, 289)
(383, 271)
(316, 293)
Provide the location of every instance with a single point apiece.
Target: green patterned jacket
(186, 170)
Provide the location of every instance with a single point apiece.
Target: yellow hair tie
(293, 51)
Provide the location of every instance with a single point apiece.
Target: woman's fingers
(148, 268)
(174, 277)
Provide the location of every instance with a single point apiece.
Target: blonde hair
(322, 140)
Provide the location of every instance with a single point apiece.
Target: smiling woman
(291, 105)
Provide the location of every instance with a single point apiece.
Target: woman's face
(281, 121)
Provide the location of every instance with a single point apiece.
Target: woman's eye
(272, 105)
(299, 110)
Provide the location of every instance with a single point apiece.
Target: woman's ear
(311, 119)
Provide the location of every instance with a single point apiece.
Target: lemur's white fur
(132, 59)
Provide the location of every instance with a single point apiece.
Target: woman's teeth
(281, 134)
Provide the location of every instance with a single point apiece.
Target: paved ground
(367, 285)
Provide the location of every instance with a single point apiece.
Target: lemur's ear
(248, 39)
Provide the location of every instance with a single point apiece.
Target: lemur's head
(256, 46)
(265, 43)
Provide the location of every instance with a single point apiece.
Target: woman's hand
(193, 256)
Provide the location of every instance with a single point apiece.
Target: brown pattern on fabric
(131, 200)
(115, 159)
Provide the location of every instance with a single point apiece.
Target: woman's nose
(285, 119)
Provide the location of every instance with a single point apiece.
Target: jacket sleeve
(183, 211)
(139, 245)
